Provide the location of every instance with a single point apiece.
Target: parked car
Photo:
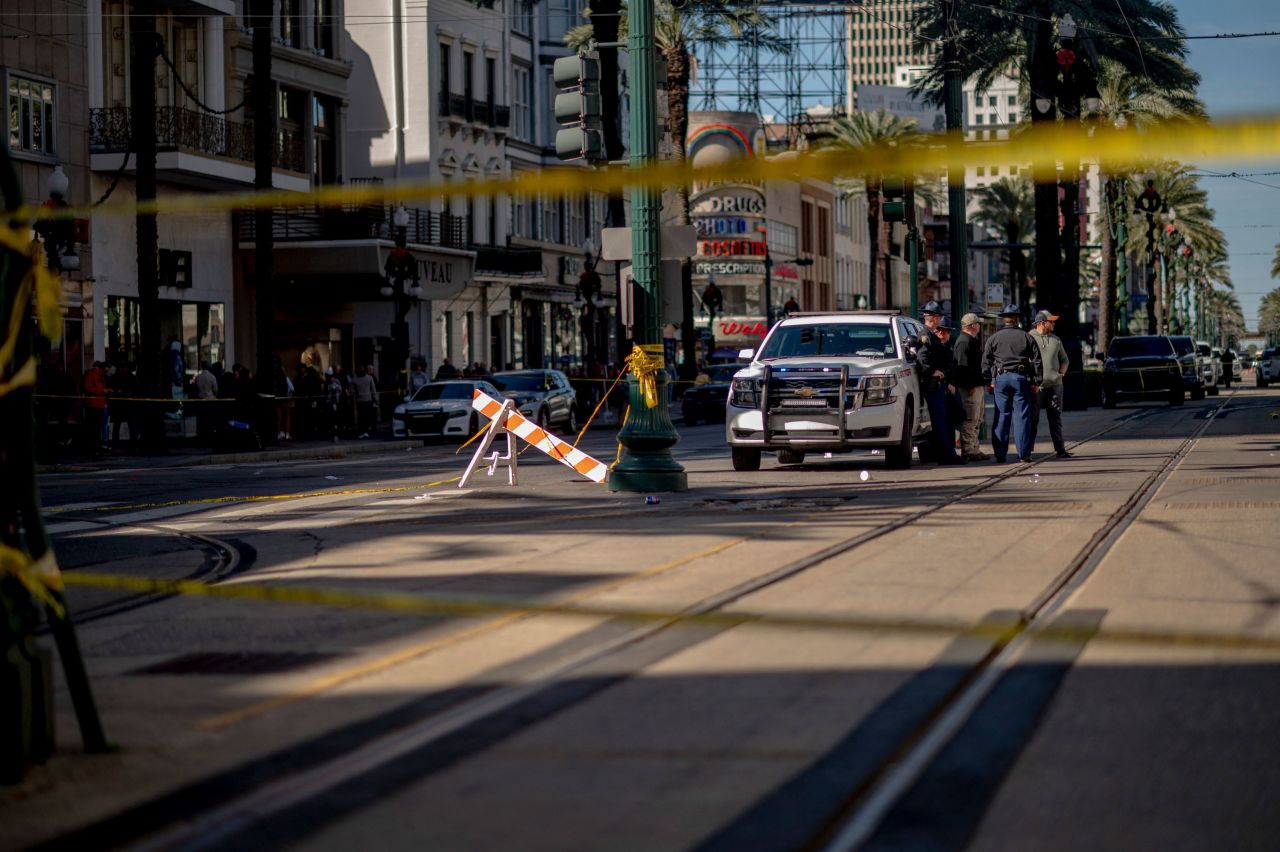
(1268, 367)
(544, 396)
(1210, 367)
(441, 409)
(829, 383)
(1143, 367)
(1192, 379)
(706, 403)
(1237, 368)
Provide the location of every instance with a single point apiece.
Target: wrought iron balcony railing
(508, 260)
(426, 227)
(183, 129)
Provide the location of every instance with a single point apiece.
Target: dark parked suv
(1142, 367)
(1192, 380)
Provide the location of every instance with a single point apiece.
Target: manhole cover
(234, 663)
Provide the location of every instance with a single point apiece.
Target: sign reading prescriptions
(728, 267)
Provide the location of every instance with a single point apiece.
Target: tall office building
(880, 41)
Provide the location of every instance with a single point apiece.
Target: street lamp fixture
(1067, 26)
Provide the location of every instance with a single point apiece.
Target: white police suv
(830, 382)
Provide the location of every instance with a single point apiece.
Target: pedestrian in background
(934, 358)
(366, 391)
(952, 405)
(1010, 364)
(1228, 362)
(206, 392)
(966, 352)
(1049, 400)
(95, 406)
(333, 401)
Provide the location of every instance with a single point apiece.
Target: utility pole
(1048, 248)
(604, 22)
(957, 232)
(647, 464)
(142, 128)
(264, 140)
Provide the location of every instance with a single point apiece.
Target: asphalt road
(975, 692)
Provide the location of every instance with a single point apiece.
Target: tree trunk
(1048, 252)
(1018, 267)
(678, 110)
(1107, 279)
(142, 92)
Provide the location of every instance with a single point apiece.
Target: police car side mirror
(746, 354)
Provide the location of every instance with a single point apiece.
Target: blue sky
(1241, 77)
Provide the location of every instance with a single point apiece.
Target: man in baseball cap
(1049, 398)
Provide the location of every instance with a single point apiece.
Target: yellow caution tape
(40, 577)
(644, 362)
(406, 603)
(1237, 140)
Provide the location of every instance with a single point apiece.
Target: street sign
(678, 241)
(995, 298)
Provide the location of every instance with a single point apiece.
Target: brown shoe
(979, 456)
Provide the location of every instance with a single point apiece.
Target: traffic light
(893, 198)
(577, 107)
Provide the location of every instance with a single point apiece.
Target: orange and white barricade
(506, 420)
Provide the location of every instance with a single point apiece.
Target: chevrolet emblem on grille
(806, 392)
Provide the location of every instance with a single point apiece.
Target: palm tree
(1127, 99)
(1269, 313)
(679, 32)
(1275, 264)
(864, 131)
(1008, 206)
(1143, 36)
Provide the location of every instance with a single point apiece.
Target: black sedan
(704, 403)
(1143, 367)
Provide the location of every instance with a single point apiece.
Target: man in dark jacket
(966, 351)
(935, 366)
(1010, 364)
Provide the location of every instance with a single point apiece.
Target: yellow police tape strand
(406, 603)
(1121, 149)
(40, 577)
(252, 498)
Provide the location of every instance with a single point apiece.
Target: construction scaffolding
(793, 76)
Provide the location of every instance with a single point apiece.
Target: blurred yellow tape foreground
(1120, 149)
(411, 604)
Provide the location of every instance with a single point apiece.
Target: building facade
(880, 39)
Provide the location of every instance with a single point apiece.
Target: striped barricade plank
(522, 428)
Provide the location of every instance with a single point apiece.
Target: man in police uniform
(935, 367)
(1049, 399)
(1012, 368)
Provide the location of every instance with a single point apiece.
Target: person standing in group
(333, 401)
(206, 392)
(966, 352)
(935, 367)
(417, 377)
(1049, 399)
(95, 406)
(1010, 365)
(366, 389)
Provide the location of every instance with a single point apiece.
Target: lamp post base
(647, 465)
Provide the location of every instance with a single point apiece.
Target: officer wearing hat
(934, 358)
(1012, 368)
(967, 377)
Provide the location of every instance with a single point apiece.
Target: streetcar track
(268, 799)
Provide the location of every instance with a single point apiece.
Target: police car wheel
(745, 458)
(898, 457)
(1213, 390)
(790, 457)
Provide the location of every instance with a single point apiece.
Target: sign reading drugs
(729, 201)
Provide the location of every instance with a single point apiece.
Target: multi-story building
(43, 68)
(880, 39)
(455, 91)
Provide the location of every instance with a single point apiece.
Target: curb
(328, 451)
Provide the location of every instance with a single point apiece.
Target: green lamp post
(648, 436)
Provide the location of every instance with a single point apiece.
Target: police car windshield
(522, 381)
(430, 392)
(1129, 347)
(834, 340)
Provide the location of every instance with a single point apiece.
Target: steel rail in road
(257, 802)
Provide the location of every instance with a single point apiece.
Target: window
(991, 101)
(521, 217)
(446, 59)
(291, 22)
(551, 220)
(782, 239)
(981, 171)
(1013, 118)
(824, 229)
(491, 85)
(522, 17)
(468, 82)
(995, 171)
(31, 116)
(993, 119)
(324, 149)
(1013, 100)
(324, 27)
(806, 226)
(521, 98)
(977, 119)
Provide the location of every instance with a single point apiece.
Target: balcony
(196, 143)
(426, 227)
(460, 108)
